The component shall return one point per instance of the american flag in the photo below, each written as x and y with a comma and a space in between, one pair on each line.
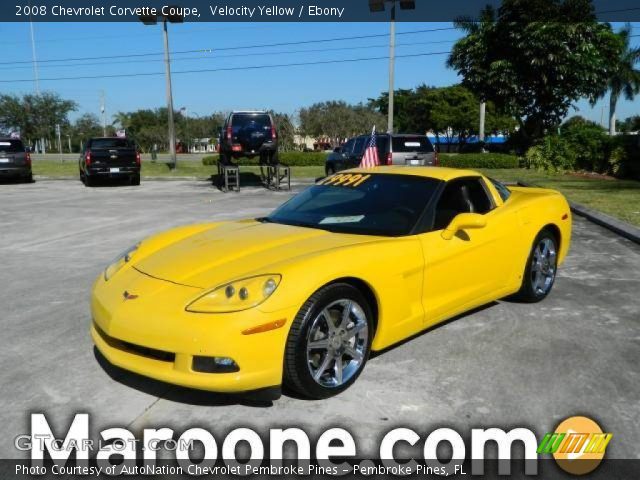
370, 158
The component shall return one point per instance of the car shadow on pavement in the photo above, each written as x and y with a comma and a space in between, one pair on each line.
432, 328
175, 393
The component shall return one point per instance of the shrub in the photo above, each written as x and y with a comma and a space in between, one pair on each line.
589, 143
479, 160
552, 154
293, 158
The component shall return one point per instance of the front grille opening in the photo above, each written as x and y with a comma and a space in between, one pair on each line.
137, 349
150, 352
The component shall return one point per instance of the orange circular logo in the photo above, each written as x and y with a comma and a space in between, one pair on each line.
581, 445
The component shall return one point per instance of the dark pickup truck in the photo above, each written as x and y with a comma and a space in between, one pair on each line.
109, 158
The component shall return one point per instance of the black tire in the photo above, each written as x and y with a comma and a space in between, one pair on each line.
28, 178
532, 291
135, 179
330, 169
297, 366
88, 181
82, 178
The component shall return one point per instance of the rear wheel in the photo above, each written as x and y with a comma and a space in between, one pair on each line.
135, 179
88, 181
540, 272
329, 342
330, 169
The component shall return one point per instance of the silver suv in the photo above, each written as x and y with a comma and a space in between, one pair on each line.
396, 149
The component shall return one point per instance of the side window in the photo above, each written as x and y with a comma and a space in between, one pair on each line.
382, 142
348, 147
465, 195
358, 149
503, 191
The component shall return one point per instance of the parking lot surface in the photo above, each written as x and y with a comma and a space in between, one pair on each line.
505, 365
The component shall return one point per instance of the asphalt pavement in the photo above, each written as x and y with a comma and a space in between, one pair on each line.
505, 365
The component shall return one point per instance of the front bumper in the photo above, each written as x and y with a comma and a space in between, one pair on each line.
154, 336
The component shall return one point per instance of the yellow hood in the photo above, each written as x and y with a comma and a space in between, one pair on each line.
228, 251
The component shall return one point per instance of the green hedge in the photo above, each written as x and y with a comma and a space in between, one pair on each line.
463, 160
294, 159
479, 160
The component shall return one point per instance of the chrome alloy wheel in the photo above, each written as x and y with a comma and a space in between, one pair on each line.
543, 266
337, 342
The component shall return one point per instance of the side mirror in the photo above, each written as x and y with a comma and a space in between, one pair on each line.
463, 221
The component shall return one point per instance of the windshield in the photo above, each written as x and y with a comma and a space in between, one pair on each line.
368, 204
411, 144
99, 143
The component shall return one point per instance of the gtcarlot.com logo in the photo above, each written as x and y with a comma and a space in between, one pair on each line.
578, 445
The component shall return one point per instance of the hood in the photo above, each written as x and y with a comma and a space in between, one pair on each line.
229, 251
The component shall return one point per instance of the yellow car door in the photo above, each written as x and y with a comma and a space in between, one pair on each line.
466, 252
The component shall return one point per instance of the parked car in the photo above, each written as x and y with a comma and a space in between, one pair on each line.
109, 158
15, 161
395, 149
248, 134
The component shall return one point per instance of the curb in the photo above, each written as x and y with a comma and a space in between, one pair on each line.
619, 227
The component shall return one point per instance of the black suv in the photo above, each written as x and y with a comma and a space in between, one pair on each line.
15, 161
396, 149
248, 134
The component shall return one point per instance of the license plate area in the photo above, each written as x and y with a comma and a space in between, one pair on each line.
114, 170
4, 160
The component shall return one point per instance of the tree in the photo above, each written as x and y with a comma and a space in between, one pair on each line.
448, 112
629, 124
338, 120
535, 58
624, 78
35, 116
86, 126
285, 130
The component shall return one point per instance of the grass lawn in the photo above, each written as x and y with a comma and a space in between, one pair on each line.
619, 198
52, 168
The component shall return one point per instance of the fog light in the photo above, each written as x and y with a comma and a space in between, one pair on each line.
214, 365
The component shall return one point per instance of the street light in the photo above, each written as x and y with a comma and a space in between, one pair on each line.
378, 6
153, 20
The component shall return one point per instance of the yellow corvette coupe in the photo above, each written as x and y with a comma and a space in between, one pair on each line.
355, 263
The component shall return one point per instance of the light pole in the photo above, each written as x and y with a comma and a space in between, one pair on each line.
184, 112
153, 20
378, 6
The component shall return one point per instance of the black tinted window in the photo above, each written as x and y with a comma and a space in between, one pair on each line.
348, 147
100, 143
503, 191
411, 144
371, 204
466, 195
11, 146
358, 149
250, 121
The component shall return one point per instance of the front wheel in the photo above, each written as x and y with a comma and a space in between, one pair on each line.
540, 272
329, 342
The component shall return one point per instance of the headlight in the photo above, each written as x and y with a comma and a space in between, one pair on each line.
119, 262
237, 295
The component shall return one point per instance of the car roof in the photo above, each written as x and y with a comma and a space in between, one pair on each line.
248, 111
438, 173
8, 139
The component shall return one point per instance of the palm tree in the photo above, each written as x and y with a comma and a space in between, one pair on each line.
625, 79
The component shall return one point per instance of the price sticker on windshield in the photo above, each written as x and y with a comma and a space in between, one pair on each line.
345, 180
